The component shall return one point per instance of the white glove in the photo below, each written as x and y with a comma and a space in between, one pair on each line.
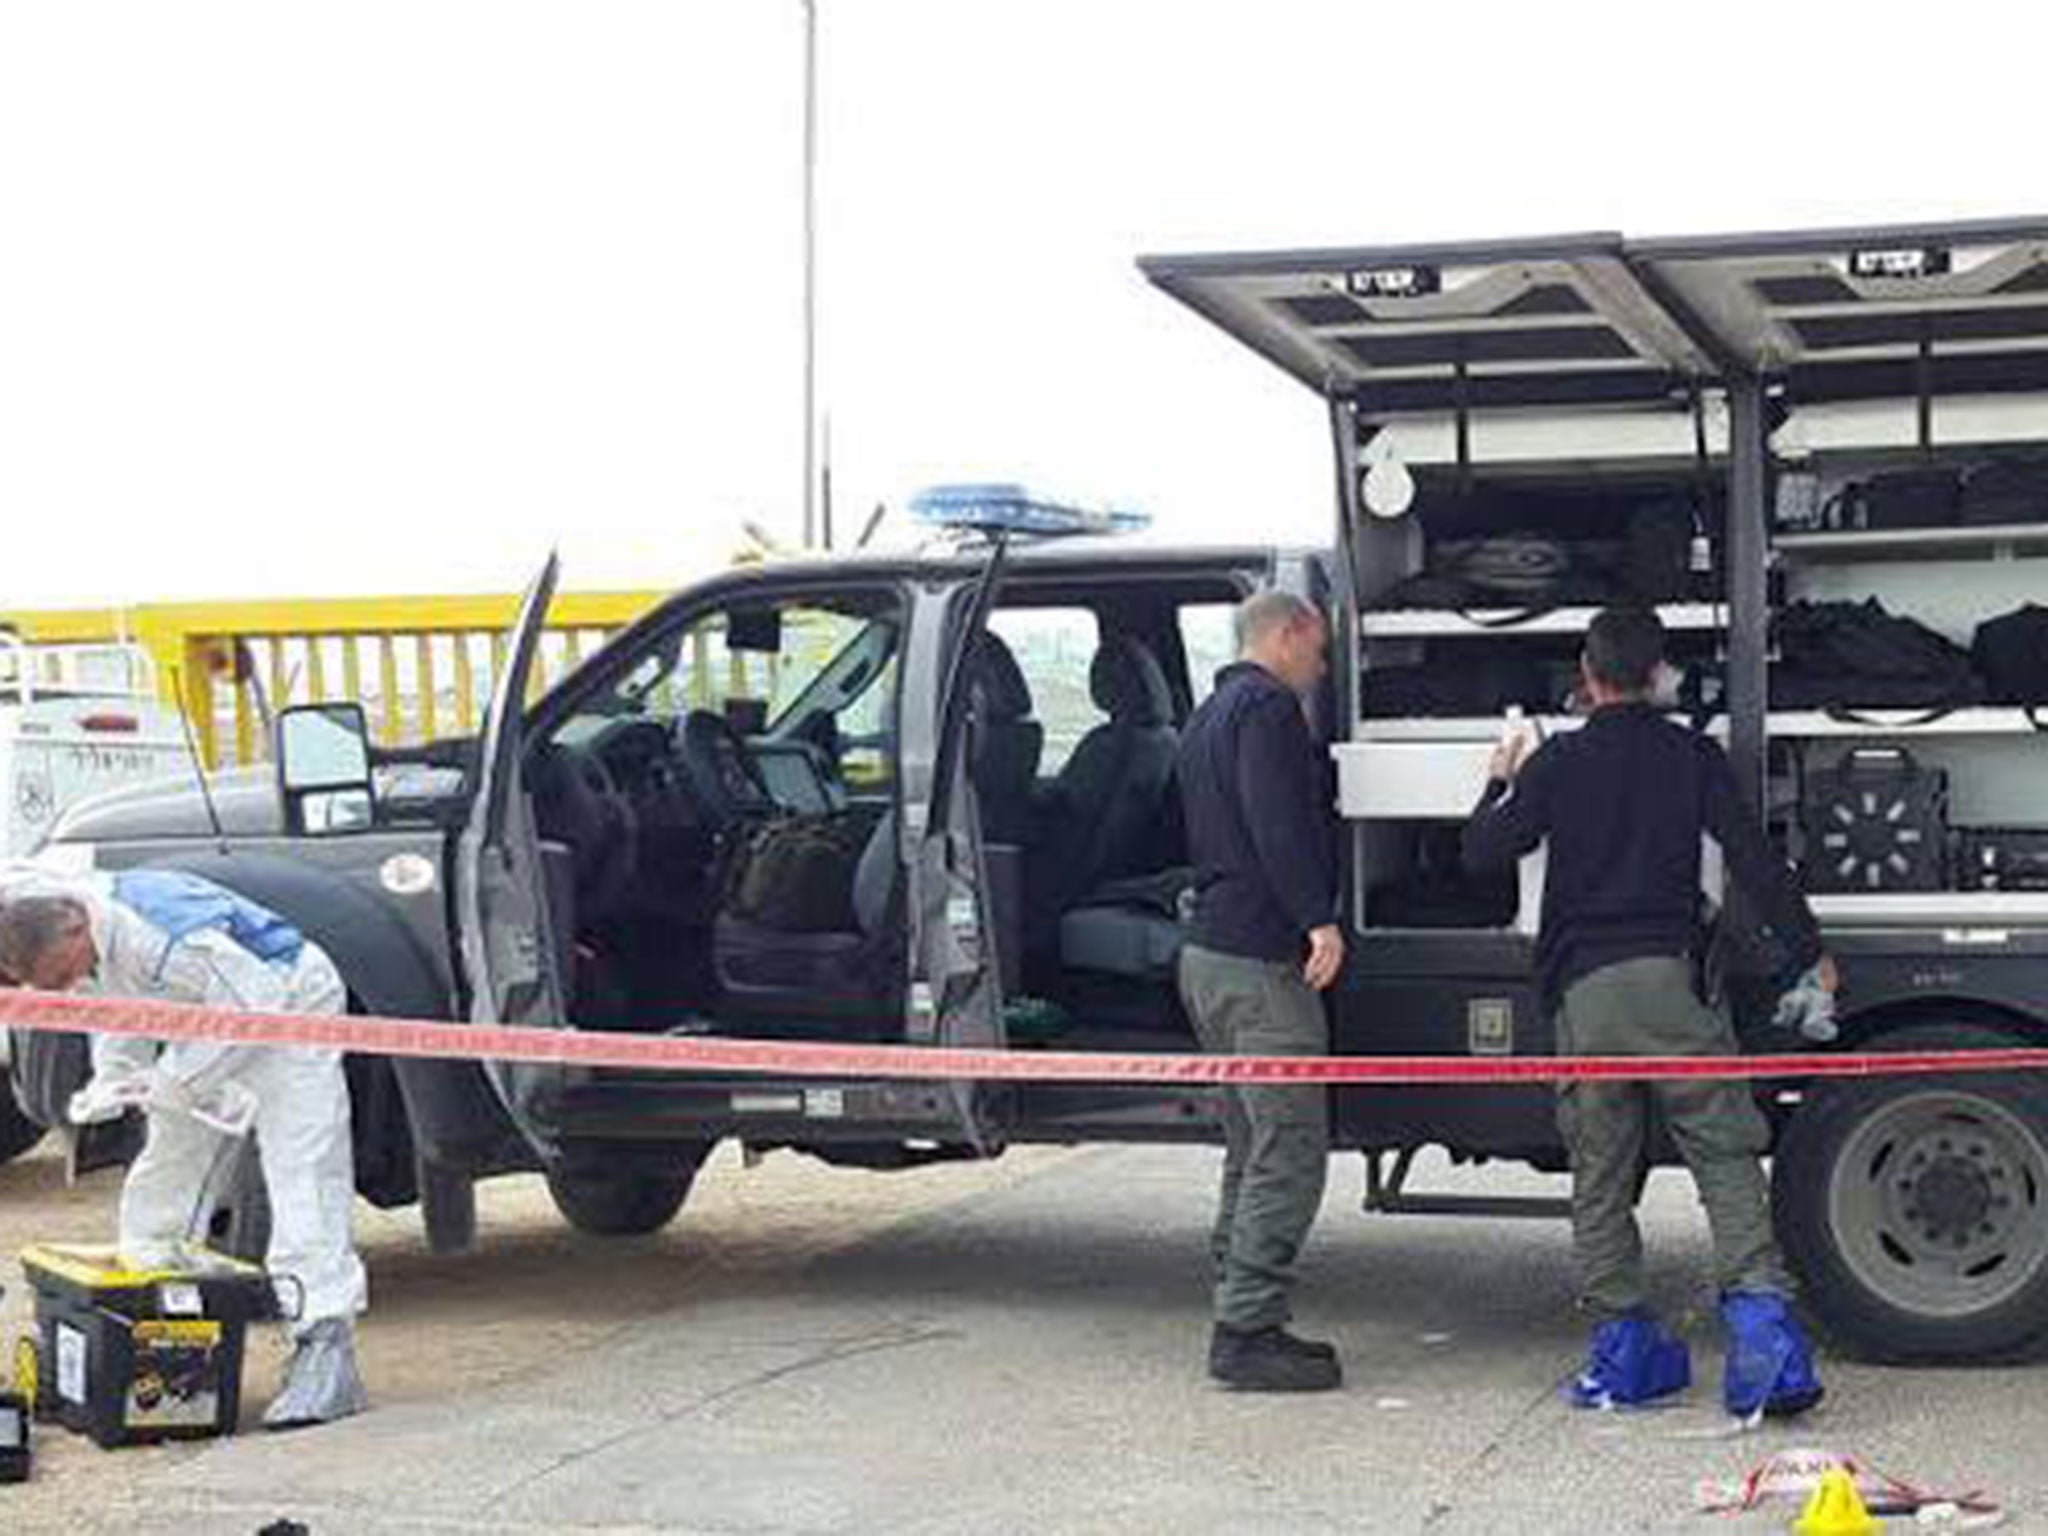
1809, 1008
108, 1097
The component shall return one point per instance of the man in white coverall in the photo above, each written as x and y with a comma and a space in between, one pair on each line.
163, 934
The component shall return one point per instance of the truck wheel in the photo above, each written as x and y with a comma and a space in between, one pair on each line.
626, 1201
1915, 1210
18, 1133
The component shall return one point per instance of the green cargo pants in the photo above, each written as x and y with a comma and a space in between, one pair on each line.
1277, 1139
1647, 1007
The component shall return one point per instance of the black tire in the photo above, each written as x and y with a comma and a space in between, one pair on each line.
618, 1201
1914, 1210
18, 1133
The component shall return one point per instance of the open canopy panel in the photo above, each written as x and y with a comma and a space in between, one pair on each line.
1597, 320
1859, 314
1424, 329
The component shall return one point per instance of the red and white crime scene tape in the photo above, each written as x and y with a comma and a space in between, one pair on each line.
371, 1035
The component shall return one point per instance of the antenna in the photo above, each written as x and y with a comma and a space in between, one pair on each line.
872, 525
220, 835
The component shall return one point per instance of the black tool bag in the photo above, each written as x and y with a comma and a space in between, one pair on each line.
1481, 679
1439, 892
1906, 498
2011, 653
2006, 491
1876, 823
1655, 562
2002, 859
1513, 571
1845, 656
797, 873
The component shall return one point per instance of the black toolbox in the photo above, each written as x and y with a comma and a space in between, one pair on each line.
137, 1356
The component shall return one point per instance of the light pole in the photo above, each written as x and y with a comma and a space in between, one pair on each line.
810, 273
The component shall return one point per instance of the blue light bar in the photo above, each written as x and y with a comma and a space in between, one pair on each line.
1004, 507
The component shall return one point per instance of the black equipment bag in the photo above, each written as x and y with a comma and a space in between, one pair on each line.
1876, 823
2011, 653
1512, 571
1439, 892
2002, 859
1655, 562
1468, 680
796, 873
2006, 491
1906, 498
1851, 655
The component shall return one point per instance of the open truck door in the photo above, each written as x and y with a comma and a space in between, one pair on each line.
504, 909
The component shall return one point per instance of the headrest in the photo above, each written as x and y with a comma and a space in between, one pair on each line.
1128, 685
997, 681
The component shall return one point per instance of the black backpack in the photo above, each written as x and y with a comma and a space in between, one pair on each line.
1655, 563
2012, 654
1849, 655
797, 873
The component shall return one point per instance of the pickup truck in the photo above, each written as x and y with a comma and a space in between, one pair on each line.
929, 798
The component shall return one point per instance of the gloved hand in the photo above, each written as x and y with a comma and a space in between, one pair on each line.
1809, 1008
107, 1097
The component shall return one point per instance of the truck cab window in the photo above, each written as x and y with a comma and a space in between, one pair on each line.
1054, 648
1208, 635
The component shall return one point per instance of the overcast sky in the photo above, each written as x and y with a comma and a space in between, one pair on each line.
391, 295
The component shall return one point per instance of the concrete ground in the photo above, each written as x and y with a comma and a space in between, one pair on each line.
1011, 1347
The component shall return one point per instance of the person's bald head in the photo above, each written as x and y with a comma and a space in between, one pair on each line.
1287, 635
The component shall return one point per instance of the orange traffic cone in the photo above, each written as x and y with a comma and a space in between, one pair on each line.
1836, 1509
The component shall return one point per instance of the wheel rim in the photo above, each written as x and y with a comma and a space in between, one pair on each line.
1937, 1203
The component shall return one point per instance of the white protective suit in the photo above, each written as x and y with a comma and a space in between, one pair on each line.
301, 1108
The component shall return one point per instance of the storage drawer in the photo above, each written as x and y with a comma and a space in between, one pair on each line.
1410, 780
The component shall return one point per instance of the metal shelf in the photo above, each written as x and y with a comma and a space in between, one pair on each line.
1961, 722
2015, 541
1484, 728
1910, 909
1430, 623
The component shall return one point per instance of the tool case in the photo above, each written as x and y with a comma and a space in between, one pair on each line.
131, 1356
1877, 821
2002, 859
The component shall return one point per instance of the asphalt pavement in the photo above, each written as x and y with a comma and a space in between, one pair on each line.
1019, 1348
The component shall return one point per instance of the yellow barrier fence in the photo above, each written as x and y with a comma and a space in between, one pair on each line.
421, 667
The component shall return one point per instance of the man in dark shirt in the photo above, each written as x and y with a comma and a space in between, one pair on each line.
1623, 803
1265, 945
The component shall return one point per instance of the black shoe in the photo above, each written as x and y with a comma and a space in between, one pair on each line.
1272, 1360
1315, 1349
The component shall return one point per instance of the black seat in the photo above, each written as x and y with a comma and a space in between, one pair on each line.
1007, 742
1103, 816
781, 978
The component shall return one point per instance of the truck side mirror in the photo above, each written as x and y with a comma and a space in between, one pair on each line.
323, 769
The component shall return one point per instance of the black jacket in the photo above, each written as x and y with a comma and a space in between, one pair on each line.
1623, 803
1260, 833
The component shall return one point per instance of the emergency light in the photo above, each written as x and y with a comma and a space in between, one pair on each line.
1394, 282
1006, 507
1906, 262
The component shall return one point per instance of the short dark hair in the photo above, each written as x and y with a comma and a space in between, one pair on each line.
30, 927
1624, 647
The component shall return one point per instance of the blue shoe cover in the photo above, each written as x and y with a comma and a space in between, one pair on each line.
1633, 1360
1770, 1362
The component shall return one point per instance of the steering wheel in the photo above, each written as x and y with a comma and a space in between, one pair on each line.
577, 799
720, 772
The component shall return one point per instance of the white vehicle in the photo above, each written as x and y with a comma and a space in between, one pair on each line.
75, 721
